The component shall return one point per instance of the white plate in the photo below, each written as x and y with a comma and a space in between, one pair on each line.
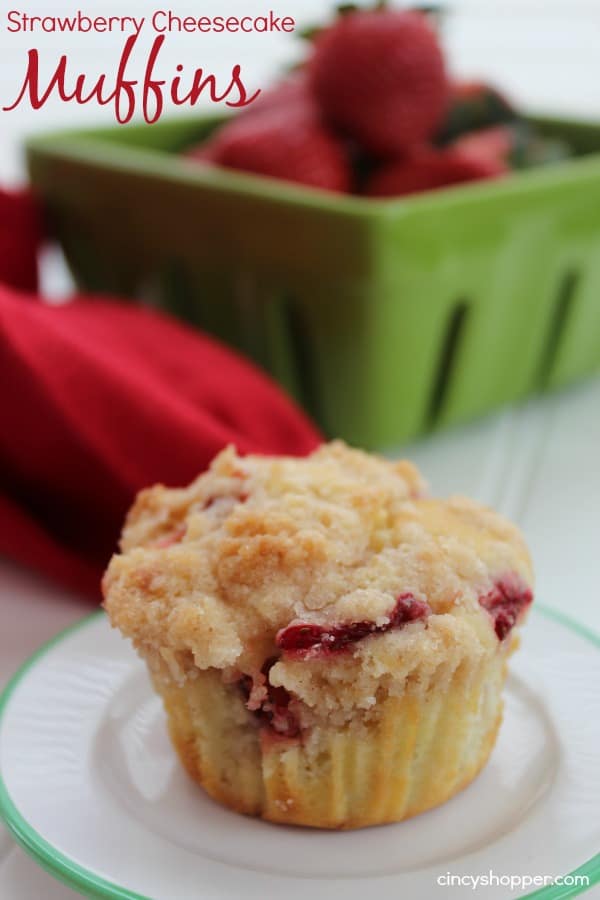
91, 788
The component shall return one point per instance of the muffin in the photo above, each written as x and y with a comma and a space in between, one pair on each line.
330, 643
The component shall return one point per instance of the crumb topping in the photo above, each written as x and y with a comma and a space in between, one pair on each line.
223, 573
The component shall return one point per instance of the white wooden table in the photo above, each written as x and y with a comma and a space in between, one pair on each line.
539, 464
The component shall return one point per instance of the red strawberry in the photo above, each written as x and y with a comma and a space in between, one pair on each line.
292, 93
496, 144
379, 76
430, 170
203, 153
287, 145
473, 105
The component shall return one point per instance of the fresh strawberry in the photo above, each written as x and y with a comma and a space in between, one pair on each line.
292, 93
473, 105
203, 153
379, 77
428, 170
496, 143
517, 145
287, 145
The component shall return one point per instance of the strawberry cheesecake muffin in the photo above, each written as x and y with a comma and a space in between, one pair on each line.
329, 642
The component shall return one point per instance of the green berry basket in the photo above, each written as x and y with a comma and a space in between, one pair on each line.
383, 318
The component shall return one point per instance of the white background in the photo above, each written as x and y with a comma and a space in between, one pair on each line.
538, 464
545, 53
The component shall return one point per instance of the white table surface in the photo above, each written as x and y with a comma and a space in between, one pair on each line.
538, 464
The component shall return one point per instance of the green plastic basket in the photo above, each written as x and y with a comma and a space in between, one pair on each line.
384, 318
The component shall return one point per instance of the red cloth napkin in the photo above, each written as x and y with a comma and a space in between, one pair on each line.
102, 399
20, 238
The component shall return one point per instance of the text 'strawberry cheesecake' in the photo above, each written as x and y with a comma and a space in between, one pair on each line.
330, 644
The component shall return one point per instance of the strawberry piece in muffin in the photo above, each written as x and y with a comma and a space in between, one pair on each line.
507, 602
303, 637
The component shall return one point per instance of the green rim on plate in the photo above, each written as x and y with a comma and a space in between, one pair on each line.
93, 885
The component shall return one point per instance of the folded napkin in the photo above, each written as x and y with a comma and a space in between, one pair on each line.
20, 238
102, 399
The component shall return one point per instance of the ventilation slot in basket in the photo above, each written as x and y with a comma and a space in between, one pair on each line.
447, 360
302, 358
562, 312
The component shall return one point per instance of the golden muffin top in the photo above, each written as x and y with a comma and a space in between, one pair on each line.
338, 565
